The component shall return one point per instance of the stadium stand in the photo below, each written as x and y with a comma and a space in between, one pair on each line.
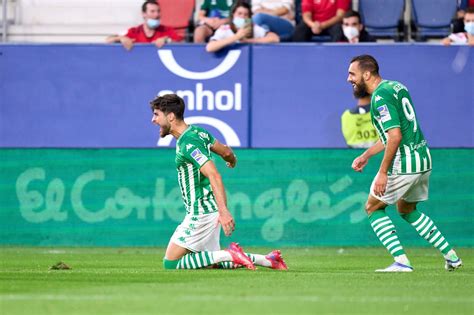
432, 18
382, 18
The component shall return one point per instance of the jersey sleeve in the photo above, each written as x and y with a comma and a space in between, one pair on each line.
386, 108
197, 150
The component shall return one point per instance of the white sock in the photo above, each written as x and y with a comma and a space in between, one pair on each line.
260, 260
221, 255
451, 255
402, 259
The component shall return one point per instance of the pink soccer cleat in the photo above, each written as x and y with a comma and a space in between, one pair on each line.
239, 257
277, 261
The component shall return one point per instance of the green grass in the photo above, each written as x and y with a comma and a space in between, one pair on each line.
320, 281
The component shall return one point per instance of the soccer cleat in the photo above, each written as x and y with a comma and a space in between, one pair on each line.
396, 267
452, 265
277, 261
239, 257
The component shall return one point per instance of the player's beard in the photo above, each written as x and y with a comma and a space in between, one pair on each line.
360, 89
164, 130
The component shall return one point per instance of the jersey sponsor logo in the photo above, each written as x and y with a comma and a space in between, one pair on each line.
384, 113
198, 156
378, 98
166, 56
189, 146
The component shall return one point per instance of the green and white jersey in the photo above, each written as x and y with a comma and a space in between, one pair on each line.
192, 152
391, 107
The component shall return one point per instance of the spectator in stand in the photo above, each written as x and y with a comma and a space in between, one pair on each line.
466, 37
458, 22
240, 30
278, 16
151, 31
212, 15
353, 30
321, 17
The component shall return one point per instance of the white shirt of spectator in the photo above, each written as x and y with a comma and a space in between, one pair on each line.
225, 31
458, 38
275, 4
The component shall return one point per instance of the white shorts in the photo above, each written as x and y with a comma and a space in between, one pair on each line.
198, 232
410, 187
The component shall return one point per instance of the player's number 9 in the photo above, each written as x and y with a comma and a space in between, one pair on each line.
409, 112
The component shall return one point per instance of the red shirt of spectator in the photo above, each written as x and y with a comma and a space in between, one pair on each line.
138, 34
323, 10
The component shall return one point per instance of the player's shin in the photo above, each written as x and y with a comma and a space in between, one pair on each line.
428, 230
386, 233
197, 260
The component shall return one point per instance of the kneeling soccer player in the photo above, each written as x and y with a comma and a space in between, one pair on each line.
195, 243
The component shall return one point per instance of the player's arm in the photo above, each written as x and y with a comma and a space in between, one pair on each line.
361, 161
225, 218
225, 153
394, 137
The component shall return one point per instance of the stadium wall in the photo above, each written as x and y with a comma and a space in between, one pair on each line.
249, 96
284, 197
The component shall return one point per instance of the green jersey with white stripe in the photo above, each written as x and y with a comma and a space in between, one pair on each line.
391, 107
192, 152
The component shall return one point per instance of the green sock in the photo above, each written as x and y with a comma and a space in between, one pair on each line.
426, 228
190, 261
385, 231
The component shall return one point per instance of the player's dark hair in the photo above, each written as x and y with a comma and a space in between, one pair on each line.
169, 103
352, 13
146, 3
469, 10
367, 63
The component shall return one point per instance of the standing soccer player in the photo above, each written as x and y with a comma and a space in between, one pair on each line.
404, 173
195, 243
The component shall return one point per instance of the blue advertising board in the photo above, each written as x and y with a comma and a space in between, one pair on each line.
258, 96
98, 95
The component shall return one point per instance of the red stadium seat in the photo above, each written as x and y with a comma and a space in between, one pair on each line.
177, 14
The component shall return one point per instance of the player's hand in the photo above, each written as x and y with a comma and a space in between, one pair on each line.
227, 221
126, 42
232, 162
359, 163
380, 184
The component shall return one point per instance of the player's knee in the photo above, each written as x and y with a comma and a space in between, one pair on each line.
170, 264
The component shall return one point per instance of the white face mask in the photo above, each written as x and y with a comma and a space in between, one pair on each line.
350, 32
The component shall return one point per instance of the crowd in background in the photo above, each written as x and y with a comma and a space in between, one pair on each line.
221, 23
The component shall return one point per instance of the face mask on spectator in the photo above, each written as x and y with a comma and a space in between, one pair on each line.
350, 32
153, 23
239, 22
469, 27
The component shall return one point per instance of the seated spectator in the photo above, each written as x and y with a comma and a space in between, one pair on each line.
151, 31
240, 30
458, 22
322, 17
353, 30
212, 15
356, 124
278, 16
466, 37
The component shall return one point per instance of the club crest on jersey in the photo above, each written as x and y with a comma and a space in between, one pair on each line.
384, 113
203, 135
198, 156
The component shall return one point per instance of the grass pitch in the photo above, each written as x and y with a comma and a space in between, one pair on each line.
320, 281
